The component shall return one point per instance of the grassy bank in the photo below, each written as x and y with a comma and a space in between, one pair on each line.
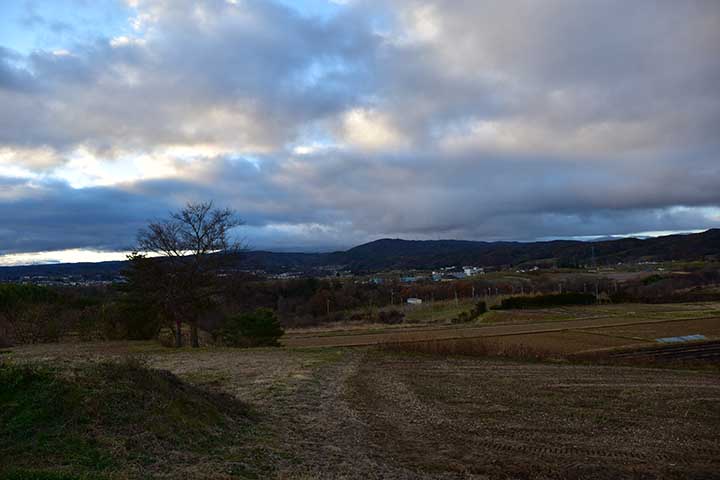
118, 420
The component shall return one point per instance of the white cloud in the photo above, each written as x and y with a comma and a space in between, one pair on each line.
124, 41
32, 158
370, 129
61, 256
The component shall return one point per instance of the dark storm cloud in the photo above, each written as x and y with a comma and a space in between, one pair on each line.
491, 120
53, 216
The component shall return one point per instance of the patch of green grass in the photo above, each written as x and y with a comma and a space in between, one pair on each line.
321, 356
41, 418
109, 417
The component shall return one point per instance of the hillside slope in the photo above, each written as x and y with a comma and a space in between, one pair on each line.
388, 254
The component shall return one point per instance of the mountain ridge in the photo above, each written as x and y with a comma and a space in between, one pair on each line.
398, 254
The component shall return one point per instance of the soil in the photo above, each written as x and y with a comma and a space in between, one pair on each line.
368, 414
587, 328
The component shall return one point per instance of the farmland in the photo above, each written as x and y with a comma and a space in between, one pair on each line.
515, 394
330, 413
565, 330
334, 412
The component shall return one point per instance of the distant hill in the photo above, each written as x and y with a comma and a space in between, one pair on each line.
402, 254
390, 254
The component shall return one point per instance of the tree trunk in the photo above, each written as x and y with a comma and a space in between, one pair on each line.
178, 333
194, 335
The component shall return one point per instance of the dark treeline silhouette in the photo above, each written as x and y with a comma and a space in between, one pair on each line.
30, 314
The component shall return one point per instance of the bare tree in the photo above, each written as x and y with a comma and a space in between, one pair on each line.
194, 245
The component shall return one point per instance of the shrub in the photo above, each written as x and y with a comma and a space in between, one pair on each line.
259, 328
464, 317
391, 317
116, 321
35, 324
337, 317
652, 279
553, 300
29, 314
357, 317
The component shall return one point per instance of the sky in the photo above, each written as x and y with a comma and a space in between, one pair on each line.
326, 124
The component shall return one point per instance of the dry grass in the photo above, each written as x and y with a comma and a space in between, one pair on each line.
366, 414
492, 419
709, 327
473, 347
576, 344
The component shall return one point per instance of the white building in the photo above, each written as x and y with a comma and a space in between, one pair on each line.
470, 271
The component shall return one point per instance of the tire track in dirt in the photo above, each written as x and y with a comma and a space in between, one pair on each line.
405, 404
326, 437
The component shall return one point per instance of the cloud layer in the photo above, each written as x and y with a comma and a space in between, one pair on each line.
412, 118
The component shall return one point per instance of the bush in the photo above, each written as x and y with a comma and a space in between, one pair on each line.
464, 317
259, 328
29, 314
480, 309
541, 301
391, 317
652, 279
35, 324
358, 317
91, 325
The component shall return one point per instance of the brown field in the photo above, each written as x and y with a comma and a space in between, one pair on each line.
539, 420
569, 336
364, 413
397, 412
709, 327
422, 318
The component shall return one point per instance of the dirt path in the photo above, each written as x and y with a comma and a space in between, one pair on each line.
308, 424
359, 339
